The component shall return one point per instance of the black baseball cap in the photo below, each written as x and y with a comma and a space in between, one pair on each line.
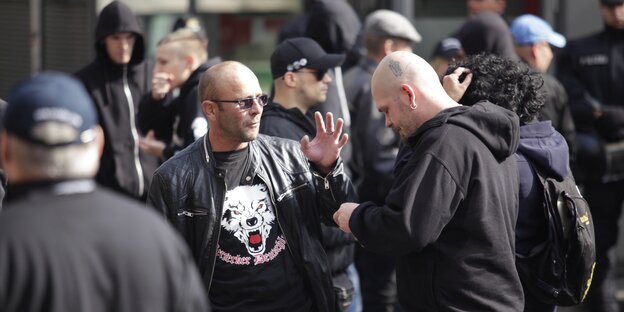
51, 98
296, 53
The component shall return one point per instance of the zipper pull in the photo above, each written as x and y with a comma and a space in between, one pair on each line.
326, 183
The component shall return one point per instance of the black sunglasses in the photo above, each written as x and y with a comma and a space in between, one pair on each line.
319, 73
247, 103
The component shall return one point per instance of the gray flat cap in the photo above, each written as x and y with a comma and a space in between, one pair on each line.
388, 23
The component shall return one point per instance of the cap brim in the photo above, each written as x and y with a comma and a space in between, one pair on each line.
327, 61
557, 40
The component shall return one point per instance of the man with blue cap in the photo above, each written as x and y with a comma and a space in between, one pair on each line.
65, 243
533, 37
592, 70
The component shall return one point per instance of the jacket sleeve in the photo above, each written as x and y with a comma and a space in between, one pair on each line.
422, 201
156, 195
332, 190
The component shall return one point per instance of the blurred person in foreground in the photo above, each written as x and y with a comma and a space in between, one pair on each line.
450, 215
117, 80
375, 146
65, 243
250, 205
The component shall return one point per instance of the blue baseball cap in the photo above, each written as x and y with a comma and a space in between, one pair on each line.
529, 29
51, 102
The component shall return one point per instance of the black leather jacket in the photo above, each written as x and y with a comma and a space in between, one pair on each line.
190, 191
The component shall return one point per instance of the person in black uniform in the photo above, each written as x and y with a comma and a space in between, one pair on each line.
592, 69
66, 244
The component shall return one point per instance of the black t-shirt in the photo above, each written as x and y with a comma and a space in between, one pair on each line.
254, 270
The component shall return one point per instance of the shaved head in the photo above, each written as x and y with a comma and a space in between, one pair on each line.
407, 90
403, 67
223, 76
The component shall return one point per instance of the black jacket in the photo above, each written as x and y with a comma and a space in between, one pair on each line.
123, 167
592, 69
177, 121
451, 213
69, 246
293, 124
557, 110
190, 191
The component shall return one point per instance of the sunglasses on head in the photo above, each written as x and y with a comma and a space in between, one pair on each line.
247, 103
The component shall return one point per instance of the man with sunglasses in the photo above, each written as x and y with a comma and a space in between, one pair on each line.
250, 205
170, 115
299, 67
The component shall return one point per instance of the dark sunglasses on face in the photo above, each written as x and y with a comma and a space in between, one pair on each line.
319, 73
247, 103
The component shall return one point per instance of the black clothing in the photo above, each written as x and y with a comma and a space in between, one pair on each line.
286, 123
591, 69
177, 121
70, 246
335, 26
451, 213
252, 263
546, 148
293, 124
116, 91
190, 192
557, 110
486, 32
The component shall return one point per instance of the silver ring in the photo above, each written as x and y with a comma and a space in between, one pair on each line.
329, 132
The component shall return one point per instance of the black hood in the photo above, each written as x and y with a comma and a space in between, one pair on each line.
117, 17
496, 127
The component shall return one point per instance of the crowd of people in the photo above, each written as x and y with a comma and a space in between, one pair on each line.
368, 179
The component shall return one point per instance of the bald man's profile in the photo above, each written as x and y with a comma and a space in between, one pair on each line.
450, 215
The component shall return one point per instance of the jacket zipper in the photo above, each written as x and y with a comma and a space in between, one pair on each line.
326, 183
290, 191
135, 134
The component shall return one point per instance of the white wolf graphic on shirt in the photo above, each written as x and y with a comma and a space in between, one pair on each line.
249, 216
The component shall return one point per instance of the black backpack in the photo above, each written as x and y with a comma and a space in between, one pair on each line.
559, 271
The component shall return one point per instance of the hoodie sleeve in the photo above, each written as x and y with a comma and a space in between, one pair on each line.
420, 204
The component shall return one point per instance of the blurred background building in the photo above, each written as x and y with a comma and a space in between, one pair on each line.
58, 34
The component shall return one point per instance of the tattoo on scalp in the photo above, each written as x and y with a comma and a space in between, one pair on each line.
395, 67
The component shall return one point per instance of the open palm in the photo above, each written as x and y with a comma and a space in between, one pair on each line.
325, 148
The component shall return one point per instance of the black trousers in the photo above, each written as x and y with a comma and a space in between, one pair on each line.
377, 281
605, 202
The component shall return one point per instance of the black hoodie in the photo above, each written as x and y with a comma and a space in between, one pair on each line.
451, 213
123, 167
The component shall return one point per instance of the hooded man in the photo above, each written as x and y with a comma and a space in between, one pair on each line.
116, 81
